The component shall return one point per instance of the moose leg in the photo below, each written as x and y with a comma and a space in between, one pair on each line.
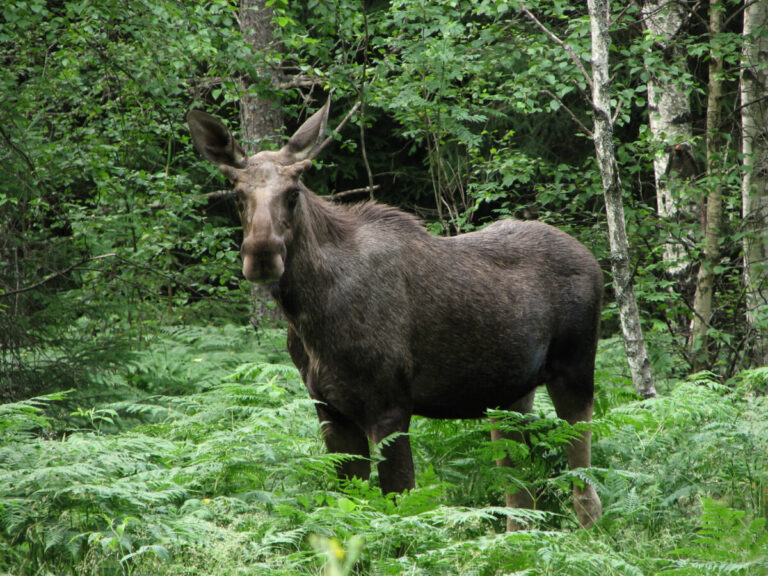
575, 405
396, 469
343, 436
522, 497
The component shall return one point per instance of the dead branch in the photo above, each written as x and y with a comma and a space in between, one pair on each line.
298, 81
56, 275
332, 135
353, 191
217, 194
570, 112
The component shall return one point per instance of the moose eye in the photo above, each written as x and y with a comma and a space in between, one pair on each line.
292, 197
239, 196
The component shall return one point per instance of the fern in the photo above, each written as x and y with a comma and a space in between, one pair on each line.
77, 494
25, 419
753, 382
217, 466
727, 542
261, 370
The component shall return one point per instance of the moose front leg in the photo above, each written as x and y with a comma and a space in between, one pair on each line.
396, 472
343, 436
340, 434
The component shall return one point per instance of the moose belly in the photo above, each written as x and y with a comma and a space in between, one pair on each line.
468, 400
456, 390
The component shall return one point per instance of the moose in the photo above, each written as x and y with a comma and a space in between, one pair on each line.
386, 320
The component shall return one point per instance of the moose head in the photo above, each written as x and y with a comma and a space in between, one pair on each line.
266, 185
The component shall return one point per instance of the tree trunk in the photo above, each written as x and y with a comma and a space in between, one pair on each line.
754, 192
670, 123
702, 301
639, 364
261, 118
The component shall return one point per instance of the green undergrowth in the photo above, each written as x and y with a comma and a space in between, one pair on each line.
202, 455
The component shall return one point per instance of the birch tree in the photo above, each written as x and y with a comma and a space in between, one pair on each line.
602, 135
702, 301
640, 366
637, 355
754, 122
669, 117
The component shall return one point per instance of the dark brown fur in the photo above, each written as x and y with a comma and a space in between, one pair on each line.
387, 321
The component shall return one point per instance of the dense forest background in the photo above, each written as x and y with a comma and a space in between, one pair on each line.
151, 423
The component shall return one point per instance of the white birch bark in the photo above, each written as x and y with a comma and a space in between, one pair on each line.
754, 123
670, 124
637, 355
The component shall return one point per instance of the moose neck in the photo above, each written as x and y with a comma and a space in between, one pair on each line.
319, 222
320, 230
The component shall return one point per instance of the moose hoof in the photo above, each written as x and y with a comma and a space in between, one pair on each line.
518, 500
515, 526
588, 507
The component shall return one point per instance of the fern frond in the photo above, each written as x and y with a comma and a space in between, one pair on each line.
22, 419
261, 371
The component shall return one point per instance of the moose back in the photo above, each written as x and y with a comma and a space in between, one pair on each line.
387, 320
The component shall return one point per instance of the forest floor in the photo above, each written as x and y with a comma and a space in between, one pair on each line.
202, 455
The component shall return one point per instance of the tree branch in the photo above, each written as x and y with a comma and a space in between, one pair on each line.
16, 149
56, 275
574, 57
363, 148
353, 191
578, 122
332, 135
298, 81
217, 194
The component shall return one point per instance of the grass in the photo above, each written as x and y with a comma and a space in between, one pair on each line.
202, 455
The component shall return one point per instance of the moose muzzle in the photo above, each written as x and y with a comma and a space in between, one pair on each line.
263, 259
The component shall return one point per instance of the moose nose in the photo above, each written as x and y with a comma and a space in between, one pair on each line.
263, 258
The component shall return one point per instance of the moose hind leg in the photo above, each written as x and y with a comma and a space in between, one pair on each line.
522, 497
343, 436
575, 405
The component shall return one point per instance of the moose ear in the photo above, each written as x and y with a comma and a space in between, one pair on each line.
214, 140
309, 135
